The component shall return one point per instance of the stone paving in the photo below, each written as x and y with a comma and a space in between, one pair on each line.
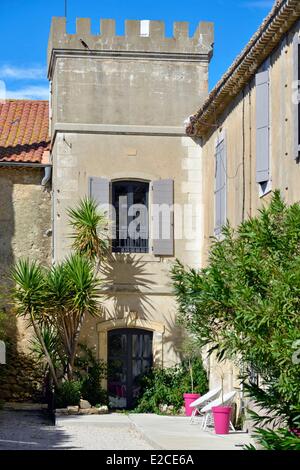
33, 430
115, 431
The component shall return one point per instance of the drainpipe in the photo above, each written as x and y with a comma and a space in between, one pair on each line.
47, 175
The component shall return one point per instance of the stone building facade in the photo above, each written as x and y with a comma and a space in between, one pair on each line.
249, 131
118, 106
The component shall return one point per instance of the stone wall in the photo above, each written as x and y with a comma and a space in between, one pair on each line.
25, 220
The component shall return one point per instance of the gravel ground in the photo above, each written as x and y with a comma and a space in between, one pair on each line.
33, 430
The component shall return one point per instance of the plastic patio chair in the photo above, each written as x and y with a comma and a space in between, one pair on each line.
203, 401
206, 411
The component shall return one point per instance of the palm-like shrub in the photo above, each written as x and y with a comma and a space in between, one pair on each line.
89, 230
30, 301
72, 290
57, 300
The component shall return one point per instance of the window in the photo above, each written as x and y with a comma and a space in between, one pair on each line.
220, 185
295, 98
263, 129
131, 231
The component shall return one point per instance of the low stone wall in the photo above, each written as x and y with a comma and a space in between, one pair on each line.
21, 379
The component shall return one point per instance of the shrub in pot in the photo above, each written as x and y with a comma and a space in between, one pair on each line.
192, 355
222, 413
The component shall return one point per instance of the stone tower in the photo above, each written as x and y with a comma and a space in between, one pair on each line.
118, 106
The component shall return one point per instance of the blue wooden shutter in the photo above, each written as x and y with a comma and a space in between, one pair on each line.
262, 127
99, 191
220, 186
163, 196
296, 78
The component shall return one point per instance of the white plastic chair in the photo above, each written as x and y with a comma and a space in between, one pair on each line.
206, 411
203, 401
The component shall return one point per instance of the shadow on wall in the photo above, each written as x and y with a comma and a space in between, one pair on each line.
127, 283
174, 338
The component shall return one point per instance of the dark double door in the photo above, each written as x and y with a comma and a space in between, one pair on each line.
129, 358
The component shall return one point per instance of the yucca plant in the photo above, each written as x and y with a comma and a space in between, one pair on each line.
30, 300
72, 290
57, 300
90, 230
52, 343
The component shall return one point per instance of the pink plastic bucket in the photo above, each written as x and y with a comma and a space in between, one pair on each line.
221, 419
188, 399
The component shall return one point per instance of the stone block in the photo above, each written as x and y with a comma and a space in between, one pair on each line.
84, 404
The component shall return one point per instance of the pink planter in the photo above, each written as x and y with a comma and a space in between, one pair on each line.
221, 419
188, 399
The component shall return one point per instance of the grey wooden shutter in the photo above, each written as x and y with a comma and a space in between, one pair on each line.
163, 217
220, 187
295, 100
262, 126
99, 191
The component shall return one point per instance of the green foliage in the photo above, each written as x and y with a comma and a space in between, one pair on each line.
57, 300
52, 343
68, 393
167, 386
246, 303
90, 229
29, 292
90, 372
281, 439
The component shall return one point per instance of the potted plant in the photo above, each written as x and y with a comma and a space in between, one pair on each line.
190, 352
221, 413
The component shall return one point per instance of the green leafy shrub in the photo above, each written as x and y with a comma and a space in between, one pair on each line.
167, 386
281, 439
68, 393
90, 372
246, 305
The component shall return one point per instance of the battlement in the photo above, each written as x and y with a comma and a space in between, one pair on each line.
140, 36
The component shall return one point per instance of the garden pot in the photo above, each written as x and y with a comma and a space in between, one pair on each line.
188, 399
221, 418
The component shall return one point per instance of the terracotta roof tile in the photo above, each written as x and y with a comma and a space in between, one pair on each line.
24, 131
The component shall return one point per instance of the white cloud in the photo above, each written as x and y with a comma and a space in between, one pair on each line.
22, 73
259, 4
29, 93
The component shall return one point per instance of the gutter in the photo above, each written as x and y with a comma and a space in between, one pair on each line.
25, 164
47, 168
280, 20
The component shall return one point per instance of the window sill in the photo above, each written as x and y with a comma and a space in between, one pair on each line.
132, 257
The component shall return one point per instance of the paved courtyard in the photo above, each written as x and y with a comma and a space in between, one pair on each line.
33, 430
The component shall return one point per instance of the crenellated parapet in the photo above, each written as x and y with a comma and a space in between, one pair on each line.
140, 37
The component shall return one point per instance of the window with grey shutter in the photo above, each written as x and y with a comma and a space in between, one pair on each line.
220, 187
163, 217
295, 100
262, 127
99, 191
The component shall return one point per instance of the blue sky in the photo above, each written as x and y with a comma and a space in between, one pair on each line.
24, 28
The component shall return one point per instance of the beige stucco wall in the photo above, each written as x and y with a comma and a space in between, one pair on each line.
133, 282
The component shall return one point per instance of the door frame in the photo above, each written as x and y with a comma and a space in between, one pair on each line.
128, 358
157, 328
